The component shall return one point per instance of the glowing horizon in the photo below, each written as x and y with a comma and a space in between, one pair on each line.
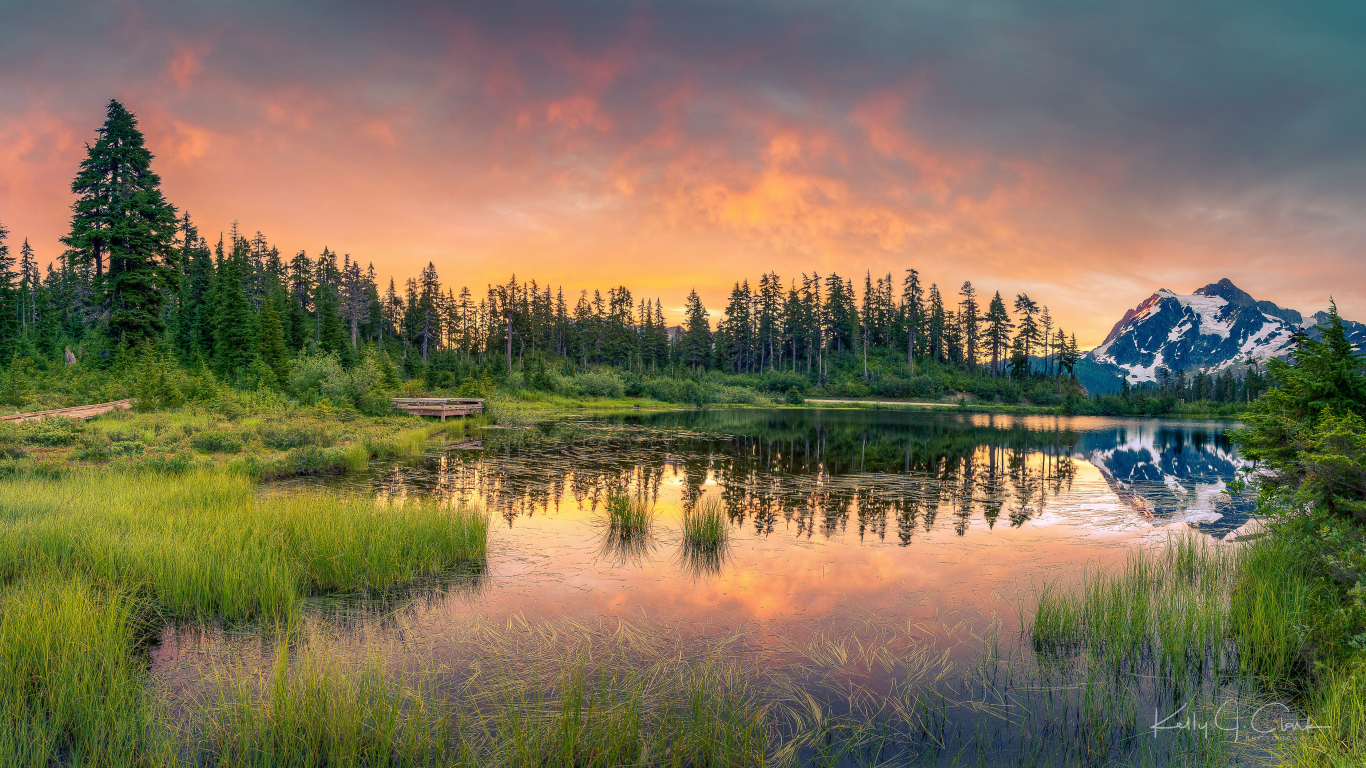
684, 146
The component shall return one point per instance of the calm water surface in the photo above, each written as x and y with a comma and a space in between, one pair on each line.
917, 528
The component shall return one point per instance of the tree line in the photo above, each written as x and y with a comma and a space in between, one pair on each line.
137, 272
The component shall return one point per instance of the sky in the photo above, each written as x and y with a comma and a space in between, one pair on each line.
1084, 153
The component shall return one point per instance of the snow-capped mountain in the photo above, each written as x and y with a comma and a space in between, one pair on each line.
1213, 329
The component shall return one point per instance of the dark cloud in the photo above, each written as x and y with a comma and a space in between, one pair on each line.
1230, 128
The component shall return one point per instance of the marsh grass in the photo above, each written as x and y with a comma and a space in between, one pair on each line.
629, 527
705, 523
1165, 607
70, 685
315, 709
202, 544
568, 705
706, 537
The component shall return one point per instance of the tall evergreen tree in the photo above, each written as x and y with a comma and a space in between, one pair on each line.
120, 215
29, 283
9, 301
912, 313
937, 324
270, 337
998, 331
234, 337
695, 346
1029, 328
970, 323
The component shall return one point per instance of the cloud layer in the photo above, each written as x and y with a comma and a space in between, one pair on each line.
1084, 155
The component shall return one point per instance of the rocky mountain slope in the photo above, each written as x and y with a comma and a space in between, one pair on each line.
1216, 328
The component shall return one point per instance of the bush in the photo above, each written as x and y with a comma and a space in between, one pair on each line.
311, 460
734, 395
310, 372
600, 385
9, 449
783, 381
50, 431
216, 441
793, 396
127, 448
282, 437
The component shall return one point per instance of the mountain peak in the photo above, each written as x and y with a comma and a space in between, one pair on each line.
1237, 297
1229, 292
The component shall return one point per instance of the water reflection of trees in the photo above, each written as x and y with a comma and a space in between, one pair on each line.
815, 476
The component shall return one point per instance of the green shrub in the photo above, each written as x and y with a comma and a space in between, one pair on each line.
734, 395
794, 396
127, 448
51, 431
216, 441
312, 460
600, 385
283, 437
176, 463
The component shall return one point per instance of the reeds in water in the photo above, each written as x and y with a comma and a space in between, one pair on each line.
629, 513
630, 527
705, 523
706, 537
1166, 606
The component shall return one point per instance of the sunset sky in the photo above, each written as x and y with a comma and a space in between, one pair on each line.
1086, 154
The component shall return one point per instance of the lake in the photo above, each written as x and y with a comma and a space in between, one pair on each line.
895, 553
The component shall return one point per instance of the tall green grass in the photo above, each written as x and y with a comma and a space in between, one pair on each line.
70, 687
314, 709
1269, 609
705, 523
706, 537
204, 544
1167, 605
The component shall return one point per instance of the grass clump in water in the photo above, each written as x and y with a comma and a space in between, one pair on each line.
706, 537
705, 523
1166, 606
628, 513
630, 527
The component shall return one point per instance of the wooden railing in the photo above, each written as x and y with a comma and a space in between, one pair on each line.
439, 406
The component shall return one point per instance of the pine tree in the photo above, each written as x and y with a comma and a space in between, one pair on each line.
120, 215
970, 323
9, 302
912, 313
233, 335
938, 323
1029, 328
270, 337
998, 331
194, 305
695, 347
29, 283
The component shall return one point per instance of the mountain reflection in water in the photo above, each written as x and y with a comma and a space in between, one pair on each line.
881, 474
